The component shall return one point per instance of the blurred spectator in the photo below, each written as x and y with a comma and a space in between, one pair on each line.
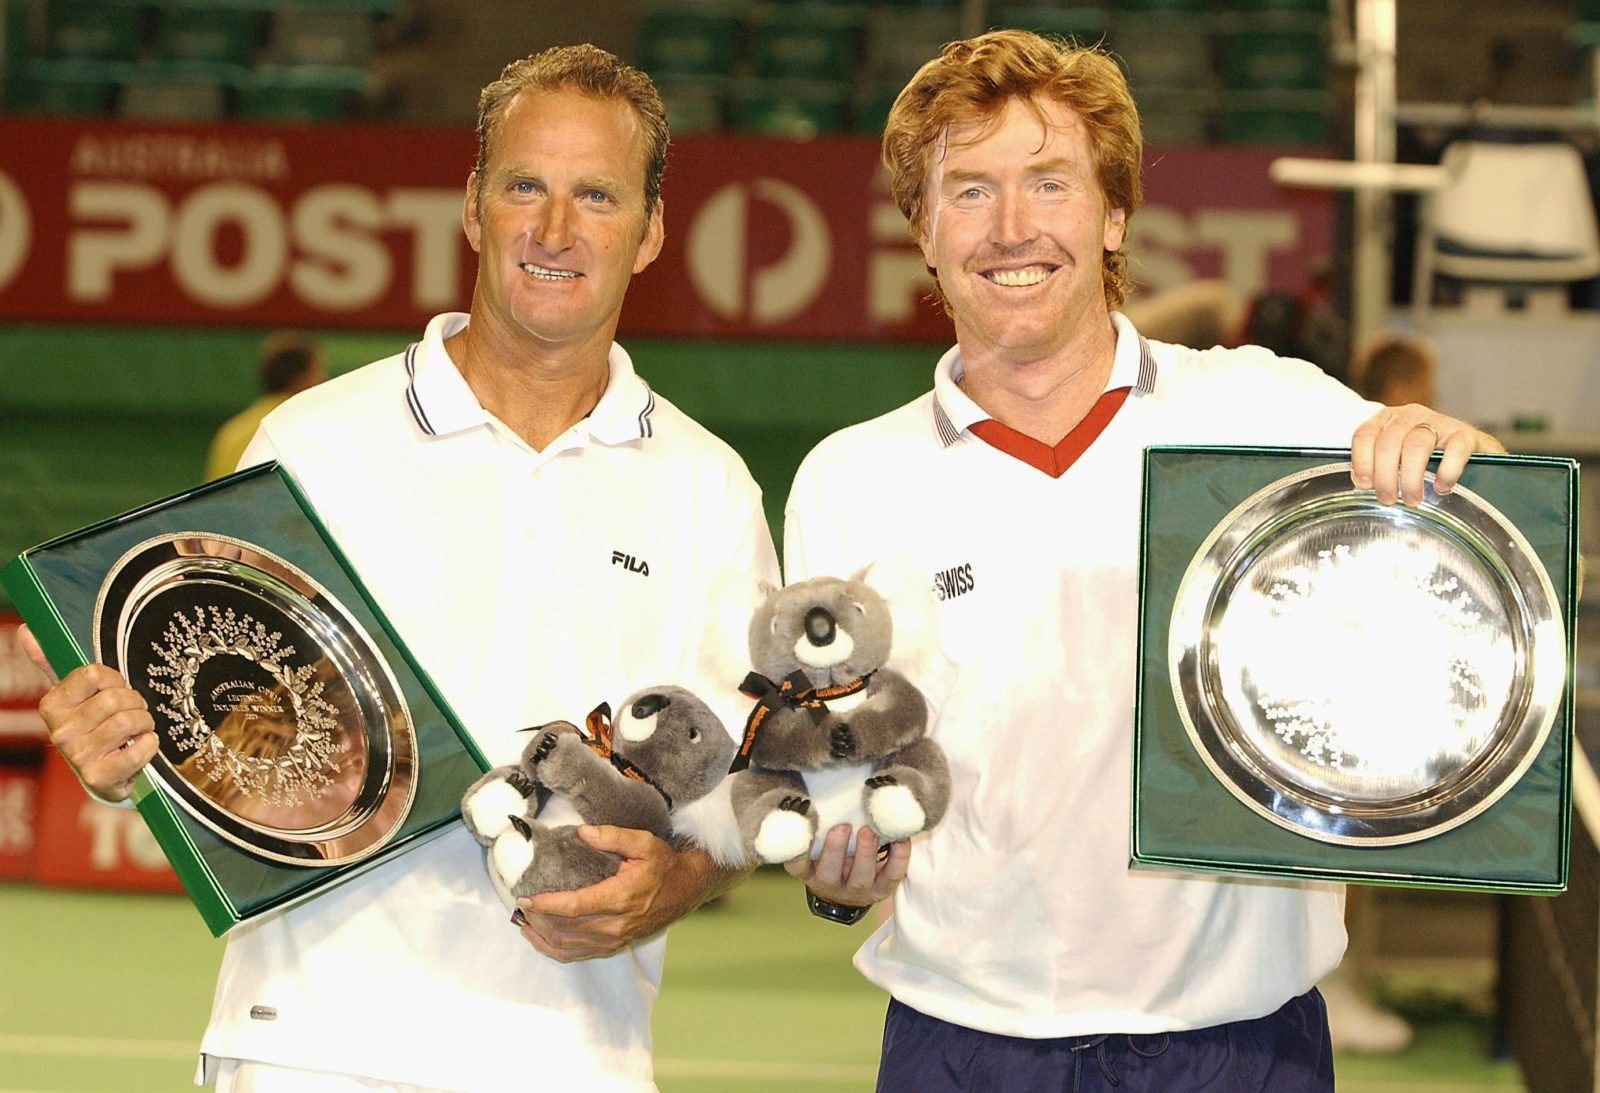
289, 362
1198, 314
1396, 370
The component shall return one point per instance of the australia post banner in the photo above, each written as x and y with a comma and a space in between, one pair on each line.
360, 226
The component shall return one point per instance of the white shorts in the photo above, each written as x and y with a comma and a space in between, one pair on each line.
246, 1076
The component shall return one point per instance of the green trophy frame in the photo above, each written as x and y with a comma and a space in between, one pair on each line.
1198, 803
300, 742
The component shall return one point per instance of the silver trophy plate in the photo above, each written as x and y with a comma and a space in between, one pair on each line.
281, 727
1366, 674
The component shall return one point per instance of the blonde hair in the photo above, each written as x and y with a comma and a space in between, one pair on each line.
971, 81
593, 71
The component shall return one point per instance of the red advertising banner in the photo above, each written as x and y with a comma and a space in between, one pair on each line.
22, 685
360, 226
18, 809
85, 844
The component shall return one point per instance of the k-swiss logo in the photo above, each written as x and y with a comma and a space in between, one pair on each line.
953, 582
630, 563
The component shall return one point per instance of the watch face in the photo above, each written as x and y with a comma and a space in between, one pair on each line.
1366, 674
281, 727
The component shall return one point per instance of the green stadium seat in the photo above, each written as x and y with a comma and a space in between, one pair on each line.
324, 36
899, 41
872, 101
1159, 6
202, 30
805, 43
17, 27
308, 93
179, 90
688, 43
790, 108
1164, 50
1304, 7
1171, 116
1283, 119
695, 104
103, 31
74, 86
1084, 25
1275, 54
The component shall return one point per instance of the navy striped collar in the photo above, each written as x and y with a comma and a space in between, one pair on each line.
1133, 365
441, 403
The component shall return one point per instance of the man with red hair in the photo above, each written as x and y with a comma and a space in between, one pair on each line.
1023, 953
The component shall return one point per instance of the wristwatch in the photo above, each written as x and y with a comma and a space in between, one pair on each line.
842, 913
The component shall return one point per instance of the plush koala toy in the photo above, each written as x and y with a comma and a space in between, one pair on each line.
835, 736
666, 751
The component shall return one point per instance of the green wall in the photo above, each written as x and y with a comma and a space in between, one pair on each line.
98, 420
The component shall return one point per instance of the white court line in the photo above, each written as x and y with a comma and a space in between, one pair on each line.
746, 1070
98, 1047
751, 1070
754, 1070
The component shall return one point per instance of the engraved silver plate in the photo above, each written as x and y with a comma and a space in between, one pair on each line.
281, 727
1366, 674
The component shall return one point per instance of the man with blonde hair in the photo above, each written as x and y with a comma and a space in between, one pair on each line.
1023, 953
483, 483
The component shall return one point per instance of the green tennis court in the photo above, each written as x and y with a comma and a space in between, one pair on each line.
108, 993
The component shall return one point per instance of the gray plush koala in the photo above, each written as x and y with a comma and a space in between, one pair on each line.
835, 737
666, 751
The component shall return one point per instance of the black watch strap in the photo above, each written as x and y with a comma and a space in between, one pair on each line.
842, 913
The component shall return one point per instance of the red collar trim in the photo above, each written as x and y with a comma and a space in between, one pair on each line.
1053, 461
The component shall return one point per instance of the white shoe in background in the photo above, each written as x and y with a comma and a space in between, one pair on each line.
1357, 1024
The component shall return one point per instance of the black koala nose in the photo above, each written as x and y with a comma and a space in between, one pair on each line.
819, 626
649, 706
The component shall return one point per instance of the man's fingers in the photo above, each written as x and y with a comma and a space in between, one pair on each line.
1361, 450
540, 931
101, 727
830, 867
1459, 446
864, 862
80, 685
625, 841
30, 646
1390, 453
1416, 452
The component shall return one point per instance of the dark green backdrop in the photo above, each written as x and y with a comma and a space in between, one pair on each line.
97, 420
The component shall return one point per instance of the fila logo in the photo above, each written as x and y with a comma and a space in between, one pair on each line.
950, 583
630, 563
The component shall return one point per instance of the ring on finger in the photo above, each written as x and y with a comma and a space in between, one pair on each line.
1431, 429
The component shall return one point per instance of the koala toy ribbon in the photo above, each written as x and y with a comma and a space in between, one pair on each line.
797, 693
597, 731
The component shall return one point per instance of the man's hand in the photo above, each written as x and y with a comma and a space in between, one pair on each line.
100, 725
859, 880
1390, 451
655, 886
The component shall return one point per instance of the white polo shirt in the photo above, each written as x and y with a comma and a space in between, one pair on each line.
1020, 914
531, 586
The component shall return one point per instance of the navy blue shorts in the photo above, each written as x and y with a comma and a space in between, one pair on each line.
1283, 1052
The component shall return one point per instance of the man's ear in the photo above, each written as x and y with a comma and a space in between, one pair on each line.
924, 235
655, 234
1116, 228
469, 212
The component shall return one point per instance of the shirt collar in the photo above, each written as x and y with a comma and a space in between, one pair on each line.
441, 402
1133, 365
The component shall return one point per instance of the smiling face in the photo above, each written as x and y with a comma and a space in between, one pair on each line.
559, 220
1015, 223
